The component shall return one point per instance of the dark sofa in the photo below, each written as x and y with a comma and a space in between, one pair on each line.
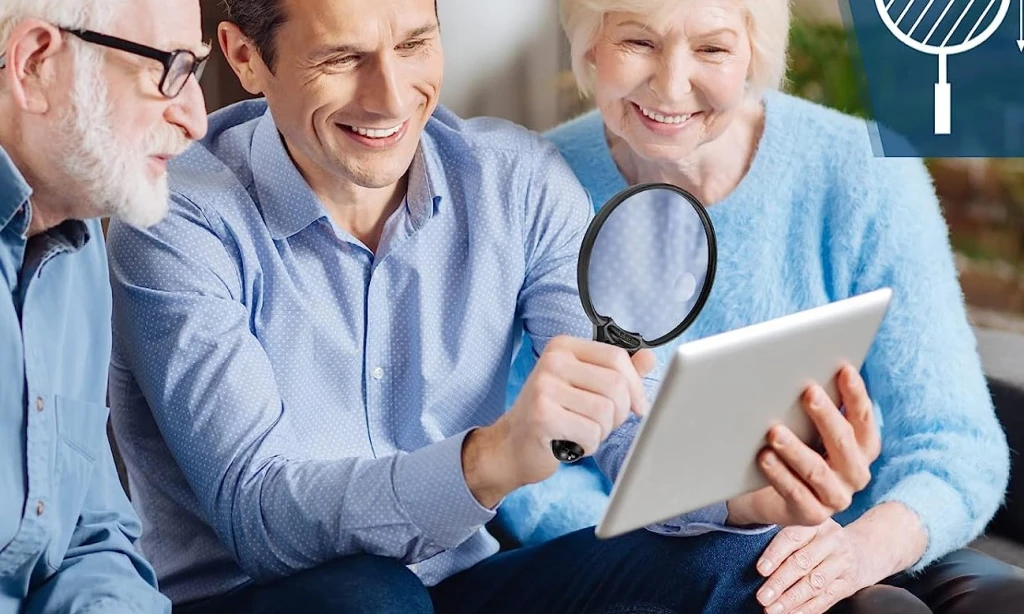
1003, 356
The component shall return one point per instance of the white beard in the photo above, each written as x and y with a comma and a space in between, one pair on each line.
111, 171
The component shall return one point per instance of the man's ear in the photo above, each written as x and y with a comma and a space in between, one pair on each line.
242, 56
31, 64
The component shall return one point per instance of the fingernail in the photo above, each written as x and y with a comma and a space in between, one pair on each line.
767, 460
766, 596
780, 439
818, 397
775, 608
765, 566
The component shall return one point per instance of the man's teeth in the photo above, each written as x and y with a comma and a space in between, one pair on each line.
664, 119
374, 133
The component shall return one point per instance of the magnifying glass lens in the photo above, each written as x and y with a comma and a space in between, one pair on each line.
645, 270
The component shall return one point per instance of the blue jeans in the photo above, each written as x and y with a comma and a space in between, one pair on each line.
353, 584
640, 573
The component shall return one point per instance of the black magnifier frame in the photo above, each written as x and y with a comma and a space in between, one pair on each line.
605, 328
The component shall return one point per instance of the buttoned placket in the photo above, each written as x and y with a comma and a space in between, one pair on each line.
375, 366
41, 434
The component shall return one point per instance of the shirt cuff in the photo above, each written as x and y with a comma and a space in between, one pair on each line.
705, 520
431, 488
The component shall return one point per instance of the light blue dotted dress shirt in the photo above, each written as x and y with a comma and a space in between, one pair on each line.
284, 396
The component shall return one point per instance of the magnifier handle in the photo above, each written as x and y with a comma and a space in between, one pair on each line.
570, 451
567, 451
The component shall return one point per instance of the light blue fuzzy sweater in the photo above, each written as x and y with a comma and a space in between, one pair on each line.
819, 218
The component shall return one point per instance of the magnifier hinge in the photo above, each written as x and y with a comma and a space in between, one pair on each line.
615, 335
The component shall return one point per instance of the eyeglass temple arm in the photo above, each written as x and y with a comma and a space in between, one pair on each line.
119, 43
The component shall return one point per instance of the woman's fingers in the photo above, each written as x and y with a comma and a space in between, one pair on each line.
800, 500
860, 412
838, 437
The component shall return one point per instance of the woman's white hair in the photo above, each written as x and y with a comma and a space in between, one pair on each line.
767, 27
85, 14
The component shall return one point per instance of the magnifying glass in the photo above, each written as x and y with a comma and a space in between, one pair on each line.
645, 271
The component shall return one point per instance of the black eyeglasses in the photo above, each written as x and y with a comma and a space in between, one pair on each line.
179, 65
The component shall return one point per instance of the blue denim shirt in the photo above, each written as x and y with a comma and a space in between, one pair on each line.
66, 527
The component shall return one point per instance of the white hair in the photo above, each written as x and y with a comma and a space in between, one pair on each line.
109, 172
767, 26
86, 14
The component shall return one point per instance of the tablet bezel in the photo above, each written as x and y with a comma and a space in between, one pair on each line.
651, 484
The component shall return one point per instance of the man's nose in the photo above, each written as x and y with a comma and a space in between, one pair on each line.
188, 111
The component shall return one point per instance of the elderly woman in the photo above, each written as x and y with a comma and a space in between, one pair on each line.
687, 93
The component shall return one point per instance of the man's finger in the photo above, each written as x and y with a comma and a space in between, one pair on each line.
788, 541
571, 426
602, 381
644, 361
608, 356
596, 407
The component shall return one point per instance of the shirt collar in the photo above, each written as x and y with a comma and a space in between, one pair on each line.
286, 200
14, 190
426, 184
290, 205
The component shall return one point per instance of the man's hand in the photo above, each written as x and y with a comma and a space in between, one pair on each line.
820, 566
580, 390
806, 487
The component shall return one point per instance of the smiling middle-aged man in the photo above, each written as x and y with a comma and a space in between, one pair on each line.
87, 123
311, 352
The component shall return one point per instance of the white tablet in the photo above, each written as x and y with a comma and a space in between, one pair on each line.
718, 399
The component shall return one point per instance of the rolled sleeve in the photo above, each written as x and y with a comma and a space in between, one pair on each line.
431, 487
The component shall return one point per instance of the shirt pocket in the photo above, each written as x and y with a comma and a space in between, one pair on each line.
81, 430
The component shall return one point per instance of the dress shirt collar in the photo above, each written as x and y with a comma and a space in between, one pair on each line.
289, 205
14, 190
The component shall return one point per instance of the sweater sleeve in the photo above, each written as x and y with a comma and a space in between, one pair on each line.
944, 454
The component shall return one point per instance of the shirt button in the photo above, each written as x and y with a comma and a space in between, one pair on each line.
40, 404
40, 508
377, 373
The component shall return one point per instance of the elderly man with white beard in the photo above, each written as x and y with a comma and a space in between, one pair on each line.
95, 97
